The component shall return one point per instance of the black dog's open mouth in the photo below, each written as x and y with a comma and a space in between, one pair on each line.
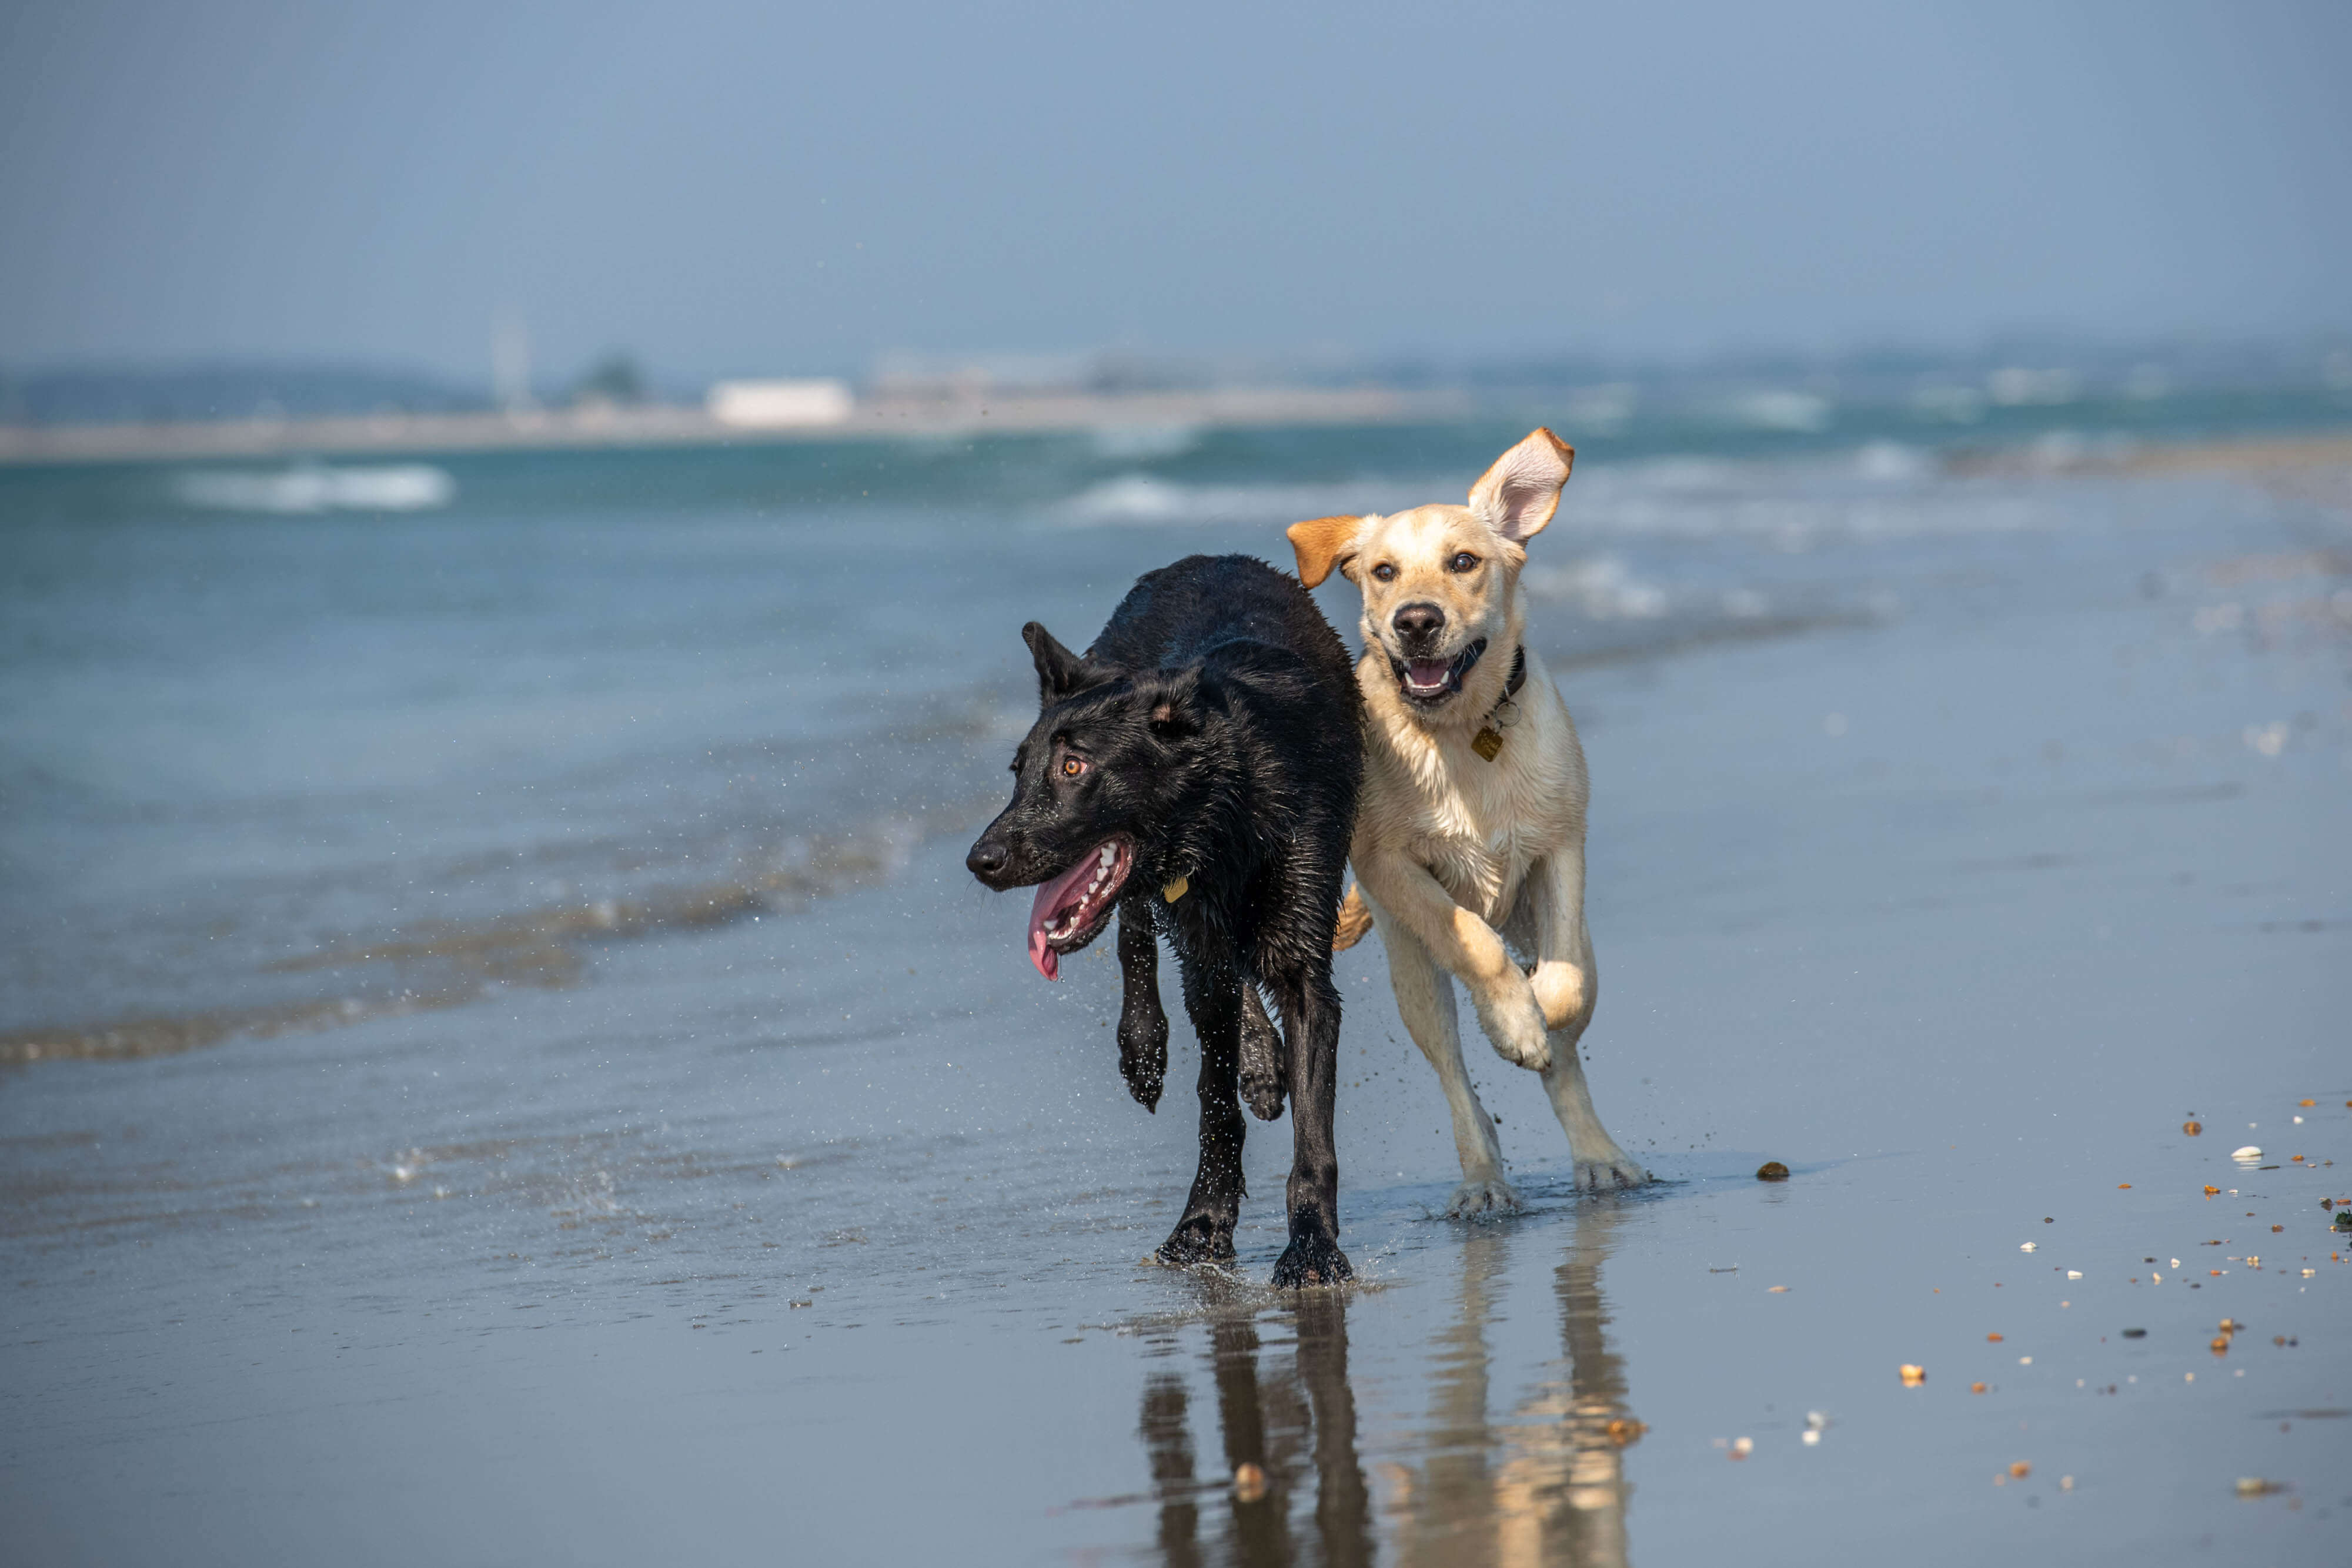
1072, 910
1432, 681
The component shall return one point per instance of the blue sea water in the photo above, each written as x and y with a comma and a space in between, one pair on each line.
484, 955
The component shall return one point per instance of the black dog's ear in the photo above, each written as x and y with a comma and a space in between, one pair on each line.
1179, 705
1060, 672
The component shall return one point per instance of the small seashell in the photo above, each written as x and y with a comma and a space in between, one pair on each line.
2028, 1246
1976, 1388
2251, 1151
2192, 1128
1993, 1339
1624, 1431
1771, 1170
2020, 1470
1742, 1447
1811, 1438
1249, 1482
2073, 1273
2255, 1486
1913, 1376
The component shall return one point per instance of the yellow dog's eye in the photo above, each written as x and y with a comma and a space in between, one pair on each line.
1072, 766
1384, 571
1463, 561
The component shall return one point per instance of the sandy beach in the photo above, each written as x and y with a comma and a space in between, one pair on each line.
504, 1062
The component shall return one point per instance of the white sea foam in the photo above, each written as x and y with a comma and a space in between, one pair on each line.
1603, 586
316, 488
1145, 499
1883, 489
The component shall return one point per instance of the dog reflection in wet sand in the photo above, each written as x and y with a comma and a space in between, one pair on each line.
1546, 1485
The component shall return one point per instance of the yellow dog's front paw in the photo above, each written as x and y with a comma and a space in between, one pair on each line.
1563, 991
1515, 1027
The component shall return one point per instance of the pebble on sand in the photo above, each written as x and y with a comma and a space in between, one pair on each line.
1771, 1170
2192, 1128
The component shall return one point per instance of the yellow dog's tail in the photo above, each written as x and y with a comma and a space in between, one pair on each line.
1355, 919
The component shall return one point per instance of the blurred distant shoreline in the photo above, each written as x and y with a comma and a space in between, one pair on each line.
831, 418
2048, 407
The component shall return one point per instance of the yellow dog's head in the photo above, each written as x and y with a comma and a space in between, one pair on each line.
1439, 581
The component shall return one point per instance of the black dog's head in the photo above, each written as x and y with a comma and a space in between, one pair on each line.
1101, 787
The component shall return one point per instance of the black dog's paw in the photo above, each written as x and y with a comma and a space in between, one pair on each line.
1264, 1078
1312, 1261
1199, 1239
1143, 1055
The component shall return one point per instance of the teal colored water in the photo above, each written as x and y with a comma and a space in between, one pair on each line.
504, 1062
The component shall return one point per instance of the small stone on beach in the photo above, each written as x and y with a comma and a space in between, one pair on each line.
1771, 1170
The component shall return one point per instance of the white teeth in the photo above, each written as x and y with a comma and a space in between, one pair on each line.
1109, 857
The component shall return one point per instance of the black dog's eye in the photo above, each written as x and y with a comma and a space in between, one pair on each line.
1463, 561
1384, 571
1073, 766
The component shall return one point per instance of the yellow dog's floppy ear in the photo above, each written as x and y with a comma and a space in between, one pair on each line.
1322, 543
1518, 495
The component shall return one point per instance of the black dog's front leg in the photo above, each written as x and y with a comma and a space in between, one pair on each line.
1310, 1017
1262, 1079
1213, 996
1142, 1025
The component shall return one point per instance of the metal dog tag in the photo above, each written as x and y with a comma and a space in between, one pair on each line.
1488, 743
1175, 890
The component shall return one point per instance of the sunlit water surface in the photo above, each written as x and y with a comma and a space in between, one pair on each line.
505, 1065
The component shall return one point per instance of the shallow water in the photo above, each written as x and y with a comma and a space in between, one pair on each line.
509, 1066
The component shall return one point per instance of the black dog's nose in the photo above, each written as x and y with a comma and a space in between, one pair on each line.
1418, 623
988, 859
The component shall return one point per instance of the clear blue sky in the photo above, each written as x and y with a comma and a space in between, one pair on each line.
764, 187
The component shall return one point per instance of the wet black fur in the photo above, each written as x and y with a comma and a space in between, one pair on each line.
1219, 717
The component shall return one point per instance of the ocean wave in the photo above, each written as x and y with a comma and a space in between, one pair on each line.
445, 964
315, 487
1143, 500
1603, 587
1882, 489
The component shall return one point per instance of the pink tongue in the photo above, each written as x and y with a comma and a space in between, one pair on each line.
1051, 899
1426, 672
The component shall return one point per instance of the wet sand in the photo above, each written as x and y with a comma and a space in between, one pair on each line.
813, 1234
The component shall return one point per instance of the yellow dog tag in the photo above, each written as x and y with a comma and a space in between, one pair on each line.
1175, 890
1488, 743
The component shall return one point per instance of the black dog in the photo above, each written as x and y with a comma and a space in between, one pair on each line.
1196, 769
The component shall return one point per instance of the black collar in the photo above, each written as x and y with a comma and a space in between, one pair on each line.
1510, 687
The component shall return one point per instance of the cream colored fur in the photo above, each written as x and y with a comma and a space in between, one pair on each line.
1461, 859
